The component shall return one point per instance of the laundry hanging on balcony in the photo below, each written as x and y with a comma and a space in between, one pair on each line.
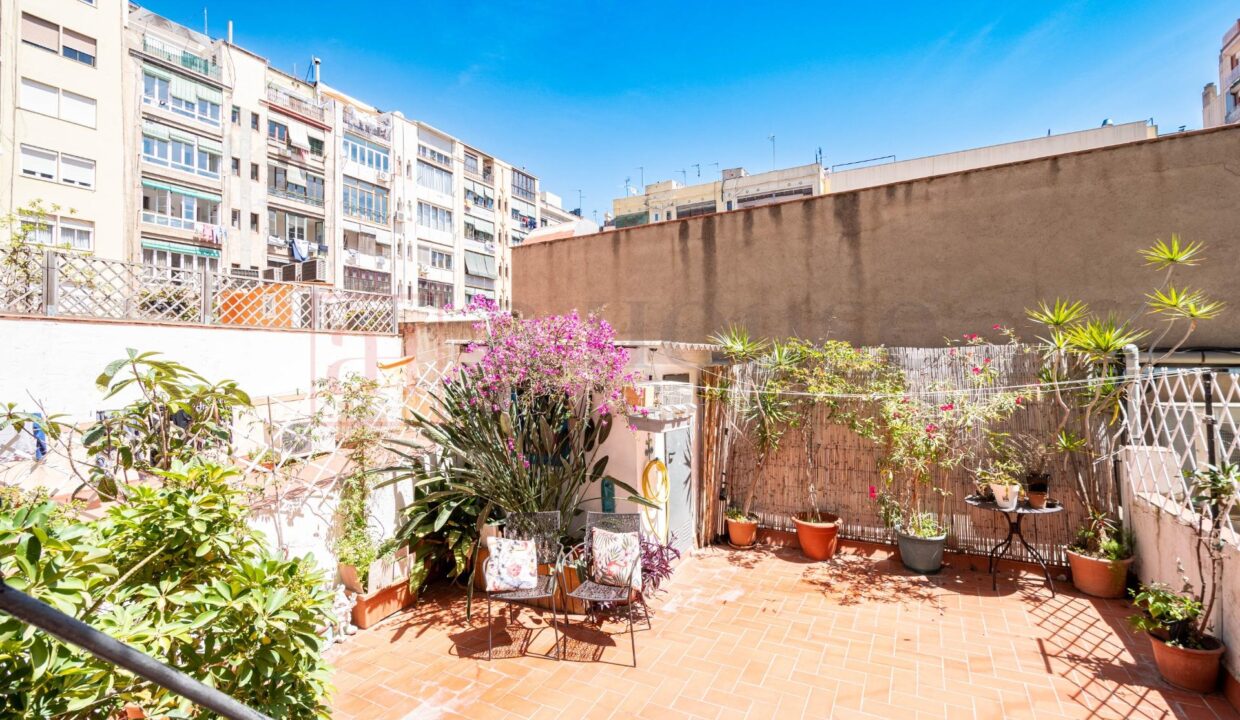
300, 249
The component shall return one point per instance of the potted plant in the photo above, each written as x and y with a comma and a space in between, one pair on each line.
1034, 456
817, 531
920, 537
1100, 557
1178, 624
742, 527
1186, 656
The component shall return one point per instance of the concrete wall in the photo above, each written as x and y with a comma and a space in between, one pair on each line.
915, 262
56, 361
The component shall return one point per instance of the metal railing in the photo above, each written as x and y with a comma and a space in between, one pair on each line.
183, 58
295, 196
302, 107
1179, 421
53, 283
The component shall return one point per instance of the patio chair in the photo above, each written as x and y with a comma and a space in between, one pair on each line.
544, 529
591, 592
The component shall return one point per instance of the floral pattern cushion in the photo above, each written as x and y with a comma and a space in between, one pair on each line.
513, 565
615, 555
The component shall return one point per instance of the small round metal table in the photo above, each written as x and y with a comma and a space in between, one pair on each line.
1014, 518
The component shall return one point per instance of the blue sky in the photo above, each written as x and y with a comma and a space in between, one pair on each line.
583, 94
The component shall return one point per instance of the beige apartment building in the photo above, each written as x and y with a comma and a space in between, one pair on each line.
64, 119
159, 144
1220, 104
737, 189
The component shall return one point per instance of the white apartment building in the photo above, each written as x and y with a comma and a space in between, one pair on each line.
1220, 104
551, 210
159, 144
63, 122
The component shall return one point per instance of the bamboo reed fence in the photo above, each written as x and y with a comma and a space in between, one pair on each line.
844, 467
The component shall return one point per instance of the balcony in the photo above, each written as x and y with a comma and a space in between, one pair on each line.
297, 105
374, 216
486, 176
1233, 115
295, 196
204, 233
180, 57
379, 128
365, 261
1233, 77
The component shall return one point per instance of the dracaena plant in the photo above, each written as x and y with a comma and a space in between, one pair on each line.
1083, 368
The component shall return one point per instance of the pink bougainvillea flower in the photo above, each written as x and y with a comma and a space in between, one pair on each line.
931, 429
1020, 399
996, 326
985, 361
977, 370
948, 406
873, 492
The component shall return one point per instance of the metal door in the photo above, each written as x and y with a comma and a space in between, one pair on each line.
679, 460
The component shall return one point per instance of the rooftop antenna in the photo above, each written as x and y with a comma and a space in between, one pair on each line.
628, 185
698, 168
580, 197
818, 156
204, 22
684, 176
772, 139
642, 170
715, 165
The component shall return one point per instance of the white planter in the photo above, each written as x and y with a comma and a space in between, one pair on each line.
1006, 496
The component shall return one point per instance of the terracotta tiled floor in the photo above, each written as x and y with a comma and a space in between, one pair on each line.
765, 634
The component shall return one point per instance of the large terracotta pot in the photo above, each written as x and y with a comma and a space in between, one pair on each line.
742, 533
1100, 578
1195, 670
818, 539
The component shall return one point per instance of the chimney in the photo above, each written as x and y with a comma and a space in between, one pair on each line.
316, 62
230, 36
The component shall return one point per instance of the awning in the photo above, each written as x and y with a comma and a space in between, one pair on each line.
477, 264
315, 134
491, 266
210, 146
479, 224
150, 129
295, 176
156, 185
209, 94
297, 136
182, 137
179, 248
156, 72
184, 89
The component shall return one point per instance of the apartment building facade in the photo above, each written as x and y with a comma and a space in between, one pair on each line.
151, 142
61, 67
1220, 104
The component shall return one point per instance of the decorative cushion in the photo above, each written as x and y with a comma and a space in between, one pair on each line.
615, 555
513, 565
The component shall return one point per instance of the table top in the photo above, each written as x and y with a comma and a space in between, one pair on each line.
1021, 509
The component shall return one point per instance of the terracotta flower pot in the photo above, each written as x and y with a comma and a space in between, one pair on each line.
1037, 500
1097, 577
818, 539
1195, 670
742, 533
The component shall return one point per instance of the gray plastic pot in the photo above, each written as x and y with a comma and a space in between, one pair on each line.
923, 555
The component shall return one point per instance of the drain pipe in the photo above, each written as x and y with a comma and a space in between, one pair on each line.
72, 631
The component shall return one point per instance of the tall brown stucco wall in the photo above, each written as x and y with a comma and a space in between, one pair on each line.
915, 262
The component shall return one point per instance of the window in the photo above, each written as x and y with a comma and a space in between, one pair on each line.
364, 152
77, 46
434, 178
40, 98
363, 200
162, 145
316, 146
479, 230
277, 131
236, 115
434, 155
254, 121
523, 185
438, 259
77, 171
40, 33
236, 167
177, 207
77, 234
254, 222
296, 184
182, 96
433, 217
471, 163
192, 259
236, 219
38, 163
77, 108
254, 171
434, 294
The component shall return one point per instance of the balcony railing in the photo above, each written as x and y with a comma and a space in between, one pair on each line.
380, 128
366, 213
302, 107
366, 261
295, 196
1233, 115
1233, 77
183, 58
204, 232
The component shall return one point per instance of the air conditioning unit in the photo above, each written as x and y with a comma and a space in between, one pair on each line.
400, 216
272, 273
291, 272
244, 273
383, 177
314, 270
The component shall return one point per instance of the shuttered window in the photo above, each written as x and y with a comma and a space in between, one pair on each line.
39, 97
40, 32
77, 46
77, 108
77, 171
38, 163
